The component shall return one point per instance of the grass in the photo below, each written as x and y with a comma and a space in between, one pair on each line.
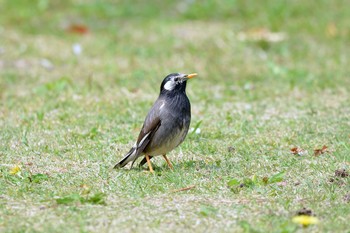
66, 119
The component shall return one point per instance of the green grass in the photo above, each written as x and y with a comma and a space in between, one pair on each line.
66, 124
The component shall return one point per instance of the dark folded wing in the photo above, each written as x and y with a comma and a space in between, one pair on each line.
146, 133
150, 126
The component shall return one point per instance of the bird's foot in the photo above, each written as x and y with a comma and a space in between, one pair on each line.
168, 162
149, 164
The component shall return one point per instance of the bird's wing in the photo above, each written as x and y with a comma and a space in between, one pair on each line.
147, 133
150, 126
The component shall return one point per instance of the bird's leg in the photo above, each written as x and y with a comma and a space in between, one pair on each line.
149, 164
168, 162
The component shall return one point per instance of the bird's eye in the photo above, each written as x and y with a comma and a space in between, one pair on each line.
176, 79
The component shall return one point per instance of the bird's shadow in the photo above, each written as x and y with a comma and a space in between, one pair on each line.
182, 165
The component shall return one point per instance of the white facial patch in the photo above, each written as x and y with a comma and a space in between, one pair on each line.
170, 85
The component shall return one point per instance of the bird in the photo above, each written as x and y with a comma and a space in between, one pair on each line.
166, 124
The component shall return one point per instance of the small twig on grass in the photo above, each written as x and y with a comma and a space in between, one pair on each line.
183, 189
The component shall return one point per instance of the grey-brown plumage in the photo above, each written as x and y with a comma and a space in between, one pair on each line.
166, 124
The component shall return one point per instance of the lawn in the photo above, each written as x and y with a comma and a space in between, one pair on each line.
270, 115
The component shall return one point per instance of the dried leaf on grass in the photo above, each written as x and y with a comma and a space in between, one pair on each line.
298, 151
318, 152
78, 29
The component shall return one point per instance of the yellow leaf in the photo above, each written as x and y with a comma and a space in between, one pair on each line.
14, 170
305, 220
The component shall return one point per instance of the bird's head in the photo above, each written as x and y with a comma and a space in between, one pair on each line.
175, 82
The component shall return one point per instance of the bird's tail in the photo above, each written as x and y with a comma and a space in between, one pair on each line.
130, 156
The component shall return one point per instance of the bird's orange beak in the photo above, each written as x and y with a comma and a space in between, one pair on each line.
191, 75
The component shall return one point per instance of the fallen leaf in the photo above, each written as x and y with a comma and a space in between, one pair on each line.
305, 220
298, 151
78, 29
318, 152
15, 169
